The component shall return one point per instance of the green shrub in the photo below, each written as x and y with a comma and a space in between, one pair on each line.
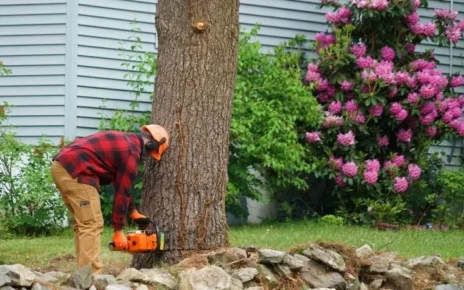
29, 202
271, 109
332, 220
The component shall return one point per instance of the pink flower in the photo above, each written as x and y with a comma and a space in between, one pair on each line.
453, 33
370, 177
342, 15
410, 47
322, 85
402, 77
313, 67
457, 112
431, 131
360, 118
429, 29
383, 141
398, 160
457, 81
350, 169
400, 184
404, 135
429, 118
376, 110
365, 62
421, 64
412, 18
331, 90
312, 76
427, 91
372, 165
335, 107
339, 181
358, 50
413, 98
416, 3
387, 53
335, 163
402, 114
427, 108
414, 171
351, 106
333, 121
395, 108
313, 137
379, 4
345, 139
346, 86
441, 13
447, 117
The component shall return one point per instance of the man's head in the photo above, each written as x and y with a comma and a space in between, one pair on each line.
156, 140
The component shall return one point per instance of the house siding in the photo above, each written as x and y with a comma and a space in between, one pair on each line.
57, 48
33, 45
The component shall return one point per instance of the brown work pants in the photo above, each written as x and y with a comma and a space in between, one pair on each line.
83, 202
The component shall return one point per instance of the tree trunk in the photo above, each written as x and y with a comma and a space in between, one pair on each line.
197, 59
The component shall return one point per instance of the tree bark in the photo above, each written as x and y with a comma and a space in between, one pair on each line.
197, 59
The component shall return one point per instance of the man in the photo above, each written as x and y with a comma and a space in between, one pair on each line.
102, 158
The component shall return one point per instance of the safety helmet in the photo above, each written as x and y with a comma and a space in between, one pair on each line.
160, 141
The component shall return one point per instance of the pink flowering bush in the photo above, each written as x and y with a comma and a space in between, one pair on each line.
384, 104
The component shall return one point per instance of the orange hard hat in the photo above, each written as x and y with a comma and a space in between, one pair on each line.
158, 133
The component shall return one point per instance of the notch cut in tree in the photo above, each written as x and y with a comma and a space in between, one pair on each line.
197, 61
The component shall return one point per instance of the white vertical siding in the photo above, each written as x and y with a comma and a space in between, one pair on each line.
102, 26
32, 44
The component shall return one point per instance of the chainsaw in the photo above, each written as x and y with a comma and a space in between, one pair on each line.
143, 240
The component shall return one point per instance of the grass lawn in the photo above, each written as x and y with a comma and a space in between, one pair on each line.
56, 252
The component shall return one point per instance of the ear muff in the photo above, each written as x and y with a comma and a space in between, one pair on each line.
154, 145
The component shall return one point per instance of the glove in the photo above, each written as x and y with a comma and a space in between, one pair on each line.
119, 241
135, 215
142, 221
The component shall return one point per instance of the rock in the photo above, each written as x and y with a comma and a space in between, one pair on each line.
236, 284
18, 275
93, 287
282, 270
448, 287
159, 277
400, 279
293, 263
133, 275
59, 275
118, 287
301, 258
4, 280
378, 264
255, 288
326, 256
64, 287
142, 287
267, 276
47, 278
460, 263
227, 256
7, 288
101, 281
208, 278
424, 262
245, 274
268, 256
81, 278
38, 286
364, 251
363, 287
317, 277
376, 284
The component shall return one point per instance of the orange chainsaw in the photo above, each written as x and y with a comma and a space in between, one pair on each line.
143, 240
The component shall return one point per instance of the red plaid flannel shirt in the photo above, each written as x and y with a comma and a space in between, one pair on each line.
103, 158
